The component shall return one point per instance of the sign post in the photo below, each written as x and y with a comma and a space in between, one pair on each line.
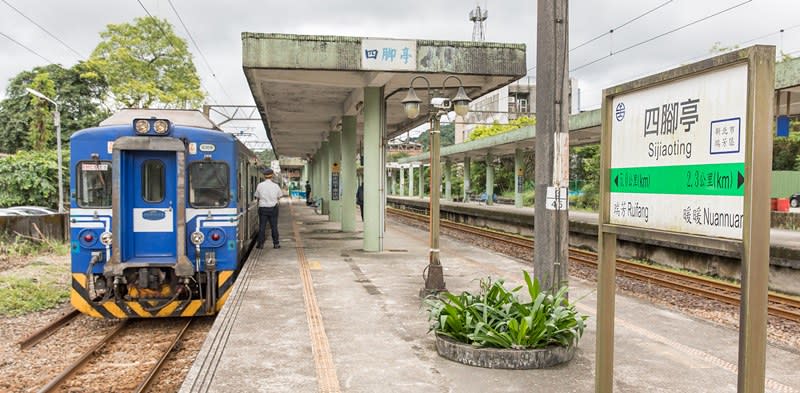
685, 151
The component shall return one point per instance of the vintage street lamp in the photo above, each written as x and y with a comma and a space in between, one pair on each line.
57, 121
439, 106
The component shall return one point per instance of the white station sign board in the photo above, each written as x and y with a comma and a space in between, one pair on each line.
677, 155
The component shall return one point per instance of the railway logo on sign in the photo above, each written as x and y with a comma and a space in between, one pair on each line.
619, 112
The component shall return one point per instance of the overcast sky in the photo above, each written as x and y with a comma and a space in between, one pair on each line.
216, 27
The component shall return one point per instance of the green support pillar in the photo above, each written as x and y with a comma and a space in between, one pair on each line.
467, 172
519, 177
374, 131
411, 180
448, 169
349, 184
315, 185
325, 172
335, 151
489, 179
421, 180
402, 181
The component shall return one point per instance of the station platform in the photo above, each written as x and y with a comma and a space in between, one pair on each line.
320, 315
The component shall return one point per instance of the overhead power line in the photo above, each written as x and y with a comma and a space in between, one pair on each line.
629, 21
27, 48
203, 56
661, 35
45, 30
622, 25
169, 40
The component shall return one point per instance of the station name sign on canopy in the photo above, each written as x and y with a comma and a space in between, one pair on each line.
383, 54
677, 155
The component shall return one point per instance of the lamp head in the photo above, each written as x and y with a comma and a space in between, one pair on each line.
461, 102
411, 104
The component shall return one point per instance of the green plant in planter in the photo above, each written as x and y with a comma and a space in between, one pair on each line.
496, 318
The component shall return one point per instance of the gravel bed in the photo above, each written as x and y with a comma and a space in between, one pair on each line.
124, 362
780, 332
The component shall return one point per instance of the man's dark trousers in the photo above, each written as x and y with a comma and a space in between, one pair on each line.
268, 214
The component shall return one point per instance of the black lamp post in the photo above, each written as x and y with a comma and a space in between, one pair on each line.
439, 106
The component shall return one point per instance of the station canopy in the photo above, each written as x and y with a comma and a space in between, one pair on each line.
303, 85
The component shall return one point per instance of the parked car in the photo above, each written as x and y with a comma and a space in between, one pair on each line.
31, 210
794, 200
7, 212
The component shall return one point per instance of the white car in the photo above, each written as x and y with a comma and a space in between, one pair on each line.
31, 210
7, 212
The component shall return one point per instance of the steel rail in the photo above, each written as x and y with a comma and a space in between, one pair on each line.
782, 306
48, 329
56, 382
150, 378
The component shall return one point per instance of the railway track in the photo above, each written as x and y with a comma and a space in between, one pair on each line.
47, 330
786, 307
92, 354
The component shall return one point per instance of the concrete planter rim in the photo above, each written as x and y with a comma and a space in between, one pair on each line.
499, 358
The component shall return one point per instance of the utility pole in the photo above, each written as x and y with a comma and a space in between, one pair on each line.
552, 144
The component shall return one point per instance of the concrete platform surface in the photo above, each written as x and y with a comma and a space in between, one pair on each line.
364, 330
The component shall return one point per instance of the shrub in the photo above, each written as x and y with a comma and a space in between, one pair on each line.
496, 318
31, 178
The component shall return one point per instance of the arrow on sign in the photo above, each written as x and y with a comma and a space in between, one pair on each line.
616, 180
741, 180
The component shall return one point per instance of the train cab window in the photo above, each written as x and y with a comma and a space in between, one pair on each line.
94, 184
153, 181
208, 184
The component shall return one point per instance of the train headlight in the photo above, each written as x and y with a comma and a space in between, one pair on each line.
106, 238
161, 127
142, 126
197, 238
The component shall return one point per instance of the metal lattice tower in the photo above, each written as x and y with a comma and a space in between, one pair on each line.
478, 16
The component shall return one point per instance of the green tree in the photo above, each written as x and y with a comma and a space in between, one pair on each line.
41, 128
447, 136
146, 65
266, 156
585, 172
79, 100
394, 157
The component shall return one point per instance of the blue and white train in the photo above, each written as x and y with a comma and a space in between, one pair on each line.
161, 216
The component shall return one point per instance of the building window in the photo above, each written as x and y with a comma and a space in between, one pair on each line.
523, 105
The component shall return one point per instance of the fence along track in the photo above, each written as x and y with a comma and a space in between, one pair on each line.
783, 306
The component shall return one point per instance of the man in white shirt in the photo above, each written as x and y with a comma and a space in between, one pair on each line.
268, 194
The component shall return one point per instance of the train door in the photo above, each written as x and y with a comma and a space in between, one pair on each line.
149, 193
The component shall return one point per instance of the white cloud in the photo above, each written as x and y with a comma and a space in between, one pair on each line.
217, 25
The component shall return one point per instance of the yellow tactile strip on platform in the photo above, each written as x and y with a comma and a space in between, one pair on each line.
327, 381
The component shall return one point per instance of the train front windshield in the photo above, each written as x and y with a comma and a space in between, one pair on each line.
94, 184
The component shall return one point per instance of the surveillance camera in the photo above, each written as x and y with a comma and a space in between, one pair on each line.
440, 102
